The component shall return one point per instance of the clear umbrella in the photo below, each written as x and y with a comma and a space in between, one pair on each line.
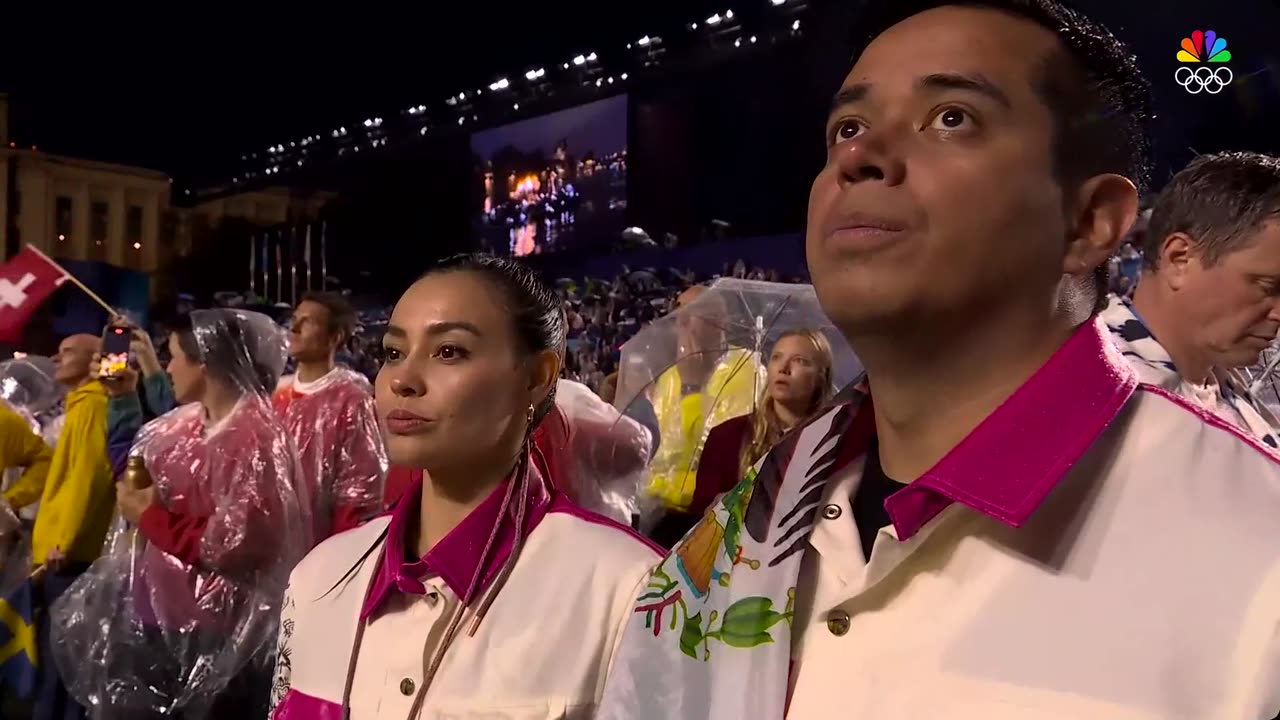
704, 364
27, 384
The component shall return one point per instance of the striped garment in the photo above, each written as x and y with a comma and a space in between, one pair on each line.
1230, 393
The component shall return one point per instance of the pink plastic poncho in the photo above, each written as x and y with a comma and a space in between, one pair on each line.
335, 428
593, 453
179, 606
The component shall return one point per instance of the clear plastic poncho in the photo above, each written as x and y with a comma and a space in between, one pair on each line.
595, 455
27, 386
344, 463
1264, 378
704, 364
177, 608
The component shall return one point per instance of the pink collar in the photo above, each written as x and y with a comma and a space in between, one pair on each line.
1008, 465
455, 558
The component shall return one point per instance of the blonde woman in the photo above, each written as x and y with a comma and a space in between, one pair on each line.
798, 385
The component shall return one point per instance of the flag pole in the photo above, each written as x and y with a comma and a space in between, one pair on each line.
266, 264
324, 257
253, 269
75, 281
293, 265
279, 267
306, 257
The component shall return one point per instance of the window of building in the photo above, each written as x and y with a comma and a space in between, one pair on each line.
99, 221
62, 218
99, 218
133, 224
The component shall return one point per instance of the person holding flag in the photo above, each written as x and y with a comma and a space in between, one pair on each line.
328, 411
76, 499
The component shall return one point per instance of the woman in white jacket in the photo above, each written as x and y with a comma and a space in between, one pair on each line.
486, 592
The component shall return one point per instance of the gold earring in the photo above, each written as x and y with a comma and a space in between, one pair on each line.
529, 417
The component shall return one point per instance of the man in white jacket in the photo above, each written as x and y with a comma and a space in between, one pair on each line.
1000, 522
1208, 302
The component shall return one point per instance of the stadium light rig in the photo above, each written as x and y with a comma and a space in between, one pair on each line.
717, 19
723, 27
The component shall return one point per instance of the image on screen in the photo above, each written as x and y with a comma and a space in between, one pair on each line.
553, 182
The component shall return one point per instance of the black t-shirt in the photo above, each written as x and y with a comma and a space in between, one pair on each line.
868, 502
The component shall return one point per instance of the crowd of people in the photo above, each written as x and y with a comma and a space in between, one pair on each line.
1050, 492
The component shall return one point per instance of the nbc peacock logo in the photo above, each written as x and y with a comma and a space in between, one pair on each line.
1209, 53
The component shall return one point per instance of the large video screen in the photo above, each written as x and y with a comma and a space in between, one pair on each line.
553, 182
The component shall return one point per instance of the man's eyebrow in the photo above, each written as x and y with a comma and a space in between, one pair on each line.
974, 83
850, 95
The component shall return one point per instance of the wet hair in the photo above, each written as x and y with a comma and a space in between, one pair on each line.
227, 355
1219, 201
1096, 94
342, 317
766, 427
537, 317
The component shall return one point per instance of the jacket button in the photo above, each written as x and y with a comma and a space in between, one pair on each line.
838, 623
406, 686
831, 512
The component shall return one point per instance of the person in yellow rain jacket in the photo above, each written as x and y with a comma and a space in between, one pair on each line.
77, 494
703, 389
77, 500
20, 448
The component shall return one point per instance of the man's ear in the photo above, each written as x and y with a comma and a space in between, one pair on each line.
1106, 207
1175, 258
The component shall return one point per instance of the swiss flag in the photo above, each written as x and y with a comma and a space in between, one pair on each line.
25, 282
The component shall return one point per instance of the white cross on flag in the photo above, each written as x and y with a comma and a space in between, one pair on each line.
25, 282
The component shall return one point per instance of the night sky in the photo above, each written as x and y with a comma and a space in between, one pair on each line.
599, 127
189, 94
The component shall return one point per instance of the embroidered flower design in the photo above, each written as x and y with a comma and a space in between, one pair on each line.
284, 651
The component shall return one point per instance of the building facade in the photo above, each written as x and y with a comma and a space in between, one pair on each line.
81, 210
84, 211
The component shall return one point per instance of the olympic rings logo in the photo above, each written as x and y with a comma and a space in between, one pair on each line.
1203, 79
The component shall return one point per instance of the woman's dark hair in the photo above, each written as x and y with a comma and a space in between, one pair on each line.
535, 310
228, 354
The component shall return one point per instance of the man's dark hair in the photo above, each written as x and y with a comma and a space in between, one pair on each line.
1218, 200
1098, 97
342, 317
